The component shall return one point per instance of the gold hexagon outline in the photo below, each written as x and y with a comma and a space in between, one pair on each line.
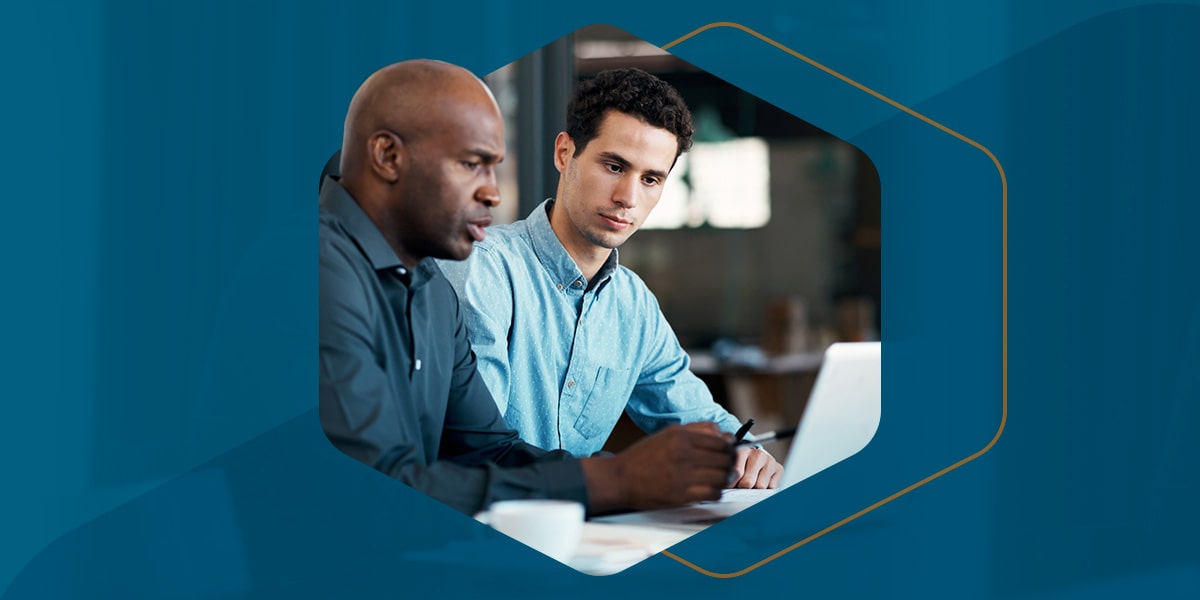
1004, 297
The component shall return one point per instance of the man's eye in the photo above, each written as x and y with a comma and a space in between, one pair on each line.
470, 164
650, 180
613, 167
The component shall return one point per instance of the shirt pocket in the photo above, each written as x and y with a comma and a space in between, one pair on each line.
605, 402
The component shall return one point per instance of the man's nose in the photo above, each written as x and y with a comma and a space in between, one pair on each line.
626, 192
489, 193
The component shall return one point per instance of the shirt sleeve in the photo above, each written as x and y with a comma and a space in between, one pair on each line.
363, 414
485, 293
667, 392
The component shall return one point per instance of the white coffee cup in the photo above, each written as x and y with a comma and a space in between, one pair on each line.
551, 527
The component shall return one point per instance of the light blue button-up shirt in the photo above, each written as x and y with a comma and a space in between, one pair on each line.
563, 359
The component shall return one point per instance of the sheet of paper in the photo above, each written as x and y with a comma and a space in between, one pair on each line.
694, 517
607, 548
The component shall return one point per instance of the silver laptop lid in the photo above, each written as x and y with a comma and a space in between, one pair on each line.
842, 413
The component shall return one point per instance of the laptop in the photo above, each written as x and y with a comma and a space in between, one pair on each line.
843, 411
840, 419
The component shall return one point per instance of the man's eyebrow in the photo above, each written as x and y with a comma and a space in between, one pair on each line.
486, 155
614, 157
620, 160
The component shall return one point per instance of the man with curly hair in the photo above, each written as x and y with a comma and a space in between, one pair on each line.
566, 337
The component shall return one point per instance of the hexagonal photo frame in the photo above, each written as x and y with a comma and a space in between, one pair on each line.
756, 182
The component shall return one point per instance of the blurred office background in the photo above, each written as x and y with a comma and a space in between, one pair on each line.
765, 247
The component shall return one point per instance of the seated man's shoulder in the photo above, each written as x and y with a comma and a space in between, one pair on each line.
629, 286
627, 277
336, 239
336, 248
497, 252
503, 238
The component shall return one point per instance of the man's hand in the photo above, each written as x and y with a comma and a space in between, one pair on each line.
756, 469
678, 465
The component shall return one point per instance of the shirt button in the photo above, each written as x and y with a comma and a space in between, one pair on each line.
401, 271
571, 383
578, 283
560, 286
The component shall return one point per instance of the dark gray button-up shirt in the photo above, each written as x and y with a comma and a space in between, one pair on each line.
399, 389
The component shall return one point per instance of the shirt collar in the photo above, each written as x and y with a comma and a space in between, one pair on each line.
338, 202
554, 257
605, 273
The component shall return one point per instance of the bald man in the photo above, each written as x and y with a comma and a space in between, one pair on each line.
399, 389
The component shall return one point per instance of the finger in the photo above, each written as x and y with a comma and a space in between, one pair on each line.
763, 468
757, 459
708, 476
705, 427
702, 490
726, 463
770, 469
688, 457
715, 443
694, 495
743, 459
766, 468
753, 459
732, 479
739, 469
699, 492
776, 478
749, 479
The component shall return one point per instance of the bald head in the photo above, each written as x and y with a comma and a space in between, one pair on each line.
421, 143
410, 99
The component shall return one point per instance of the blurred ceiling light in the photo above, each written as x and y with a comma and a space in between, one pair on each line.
589, 49
725, 184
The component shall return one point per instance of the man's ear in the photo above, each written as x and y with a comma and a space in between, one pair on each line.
564, 149
386, 155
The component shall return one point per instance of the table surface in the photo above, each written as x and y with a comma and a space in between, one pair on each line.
705, 363
614, 543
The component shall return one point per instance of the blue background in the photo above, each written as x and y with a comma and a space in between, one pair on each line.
158, 426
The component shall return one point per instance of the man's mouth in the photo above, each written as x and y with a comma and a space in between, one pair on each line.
475, 227
616, 222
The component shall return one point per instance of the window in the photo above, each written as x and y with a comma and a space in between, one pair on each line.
720, 184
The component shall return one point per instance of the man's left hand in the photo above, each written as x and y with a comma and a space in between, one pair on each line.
755, 468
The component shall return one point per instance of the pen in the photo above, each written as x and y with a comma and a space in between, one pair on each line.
742, 431
770, 436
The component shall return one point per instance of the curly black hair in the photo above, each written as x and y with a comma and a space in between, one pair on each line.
635, 93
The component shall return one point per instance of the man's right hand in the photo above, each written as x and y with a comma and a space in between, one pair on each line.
678, 465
